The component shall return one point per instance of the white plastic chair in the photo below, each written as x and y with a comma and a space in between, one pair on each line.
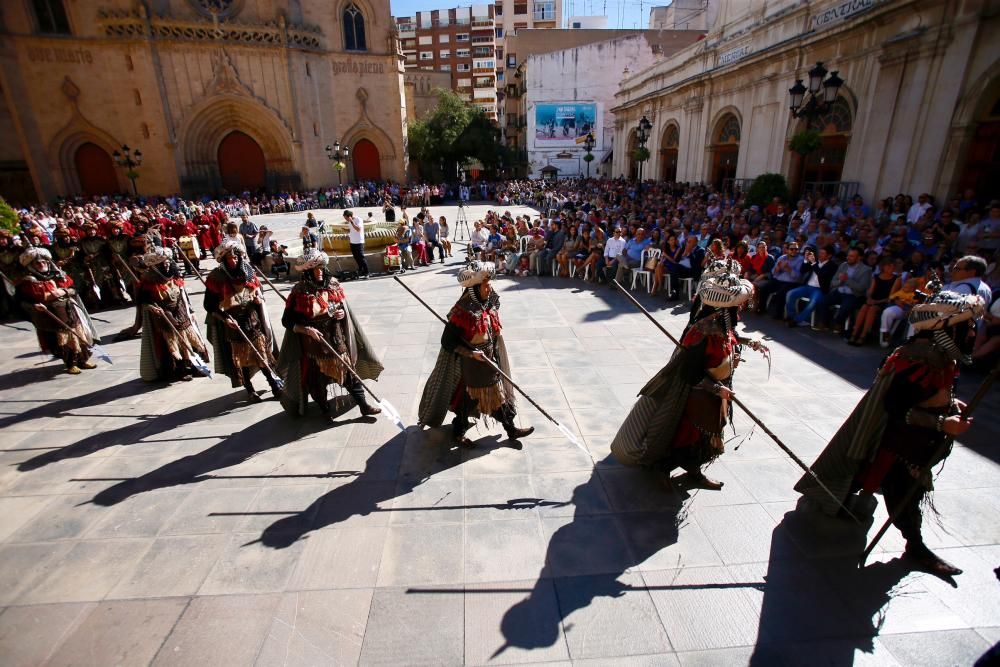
642, 272
688, 286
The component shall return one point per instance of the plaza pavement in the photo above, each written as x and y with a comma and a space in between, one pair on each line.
155, 524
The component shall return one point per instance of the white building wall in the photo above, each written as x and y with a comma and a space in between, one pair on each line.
589, 73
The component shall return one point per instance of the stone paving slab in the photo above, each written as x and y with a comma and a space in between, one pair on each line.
176, 524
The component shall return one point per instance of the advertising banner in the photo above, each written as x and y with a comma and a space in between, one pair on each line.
564, 124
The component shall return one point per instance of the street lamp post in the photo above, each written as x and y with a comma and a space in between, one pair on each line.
642, 134
822, 94
588, 143
130, 159
338, 156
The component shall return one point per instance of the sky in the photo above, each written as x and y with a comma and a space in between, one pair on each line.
620, 13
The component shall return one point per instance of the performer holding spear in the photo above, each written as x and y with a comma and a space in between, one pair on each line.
472, 373
238, 326
61, 320
324, 343
681, 412
905, 425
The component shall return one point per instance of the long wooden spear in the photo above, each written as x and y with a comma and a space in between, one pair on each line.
941, 452
749, 413
562, 429
388, 409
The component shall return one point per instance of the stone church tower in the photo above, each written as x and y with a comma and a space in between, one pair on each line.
219, 95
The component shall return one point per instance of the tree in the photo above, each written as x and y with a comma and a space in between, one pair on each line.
805, 142
765, 188
455, 134
9, 219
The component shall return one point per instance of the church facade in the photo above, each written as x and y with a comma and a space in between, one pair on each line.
219, 95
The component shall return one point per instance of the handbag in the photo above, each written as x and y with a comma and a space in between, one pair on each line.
651, 264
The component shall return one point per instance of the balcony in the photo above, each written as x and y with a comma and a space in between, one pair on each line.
482, 23
484, 40
485, 83
482, 70
485, 94
483, 52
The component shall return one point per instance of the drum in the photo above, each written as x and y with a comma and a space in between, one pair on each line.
189, 246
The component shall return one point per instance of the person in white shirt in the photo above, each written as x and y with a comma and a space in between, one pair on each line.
613, 248
478, 238
356, 236
917, 210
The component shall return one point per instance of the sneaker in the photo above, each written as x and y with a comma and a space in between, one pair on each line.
883, 340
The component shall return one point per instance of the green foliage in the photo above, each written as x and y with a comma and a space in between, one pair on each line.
640, 154
9, 219
766, 187
805, 142
589, 157
453, 134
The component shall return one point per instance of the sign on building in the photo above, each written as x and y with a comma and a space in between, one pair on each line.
560, 124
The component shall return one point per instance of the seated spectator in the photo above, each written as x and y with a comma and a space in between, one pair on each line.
967, 277
477, 240
404, 236
901, 299
688, 266
613, 249
847, 290
276, 256
309, 239
594, 260
987, 345
817, 273
670, 257
787, 274
553, 244
876, 299
571, 245
631, 258
758, 269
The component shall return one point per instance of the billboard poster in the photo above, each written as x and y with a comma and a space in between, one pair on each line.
564, 124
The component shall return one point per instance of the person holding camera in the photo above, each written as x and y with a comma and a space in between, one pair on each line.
818, 273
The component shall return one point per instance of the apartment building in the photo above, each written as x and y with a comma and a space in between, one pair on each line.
469, 43
461, 41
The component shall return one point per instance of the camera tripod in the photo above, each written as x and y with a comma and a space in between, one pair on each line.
462, 222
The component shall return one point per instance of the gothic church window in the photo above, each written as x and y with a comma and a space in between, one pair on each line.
354, 29
50, 16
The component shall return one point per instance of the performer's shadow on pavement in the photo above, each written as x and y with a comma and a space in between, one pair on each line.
584, 561
60, 407
393, 470
819, 607
275, 431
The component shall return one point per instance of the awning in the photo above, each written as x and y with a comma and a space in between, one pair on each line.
607, 158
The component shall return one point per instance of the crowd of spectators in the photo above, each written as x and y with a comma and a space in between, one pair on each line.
853, 268
850, 268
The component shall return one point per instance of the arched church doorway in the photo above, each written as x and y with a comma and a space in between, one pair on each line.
241, 163
366, 162
95, 170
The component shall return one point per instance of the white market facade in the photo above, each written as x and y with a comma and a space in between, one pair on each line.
918, 111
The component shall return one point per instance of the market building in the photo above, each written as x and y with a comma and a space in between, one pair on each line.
917, 108
219, 95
